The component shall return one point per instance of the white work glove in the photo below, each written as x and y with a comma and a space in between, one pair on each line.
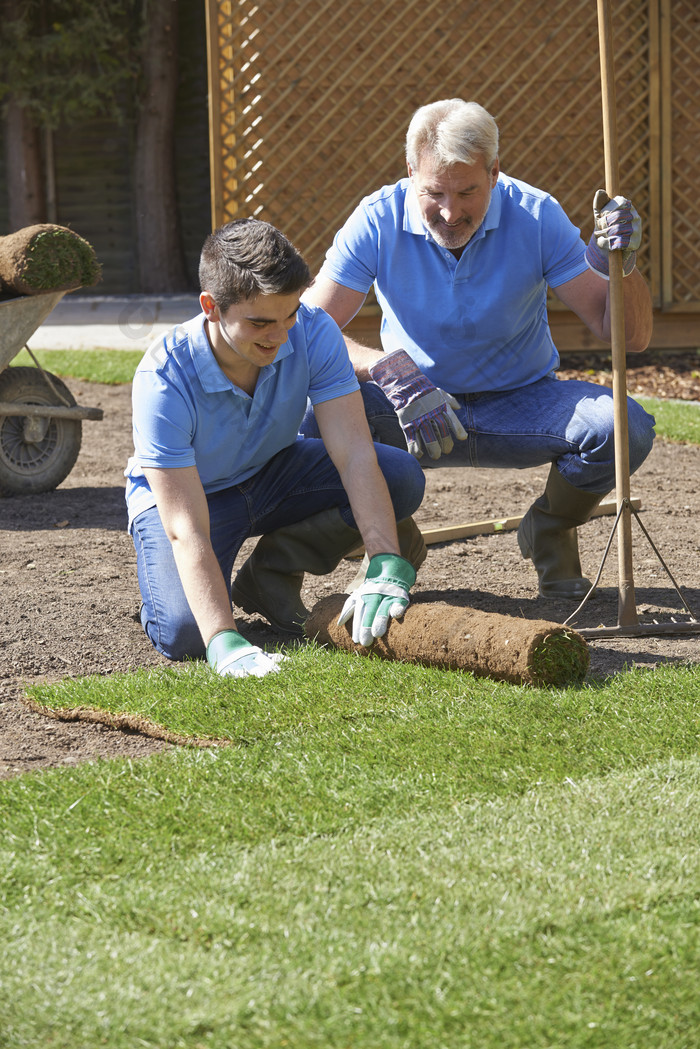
229, 654
382, 596
425, 412
618, 227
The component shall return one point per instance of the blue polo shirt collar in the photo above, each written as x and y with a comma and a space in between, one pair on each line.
208, 371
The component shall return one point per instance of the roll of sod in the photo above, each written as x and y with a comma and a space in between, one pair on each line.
46, 257
487, 644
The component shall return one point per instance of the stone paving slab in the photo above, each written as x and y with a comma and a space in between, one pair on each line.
110, 322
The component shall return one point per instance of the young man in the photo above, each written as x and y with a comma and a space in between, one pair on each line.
216, 410
461, 257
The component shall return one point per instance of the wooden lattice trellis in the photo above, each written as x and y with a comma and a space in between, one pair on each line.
310, 100
680, 90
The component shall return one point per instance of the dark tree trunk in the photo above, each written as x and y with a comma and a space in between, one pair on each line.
25, 175
26, 195
159, 243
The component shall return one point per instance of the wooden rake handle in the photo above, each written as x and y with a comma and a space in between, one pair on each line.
627, 612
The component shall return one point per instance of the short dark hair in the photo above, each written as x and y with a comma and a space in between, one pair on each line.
246, 258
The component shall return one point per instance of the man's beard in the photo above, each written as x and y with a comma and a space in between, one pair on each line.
457, 236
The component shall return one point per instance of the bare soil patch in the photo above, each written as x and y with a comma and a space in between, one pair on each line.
70, 596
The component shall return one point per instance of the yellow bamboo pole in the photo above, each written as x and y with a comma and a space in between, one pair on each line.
627, 610
214, 92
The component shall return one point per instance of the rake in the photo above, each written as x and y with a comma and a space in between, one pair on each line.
628, 624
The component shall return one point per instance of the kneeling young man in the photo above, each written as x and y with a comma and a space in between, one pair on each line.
217, 405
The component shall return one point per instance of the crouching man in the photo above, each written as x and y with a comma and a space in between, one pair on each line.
217, 404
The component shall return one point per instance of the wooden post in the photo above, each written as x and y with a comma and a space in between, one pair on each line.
214, 85
627, 611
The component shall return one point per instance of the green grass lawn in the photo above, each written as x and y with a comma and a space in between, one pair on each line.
109, 366
675, 420
382, 855
376, 856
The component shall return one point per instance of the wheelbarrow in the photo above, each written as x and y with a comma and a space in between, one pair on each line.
40, 422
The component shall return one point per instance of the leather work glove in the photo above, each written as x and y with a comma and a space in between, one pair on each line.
618, 227
425, 411
382, 596
229, 654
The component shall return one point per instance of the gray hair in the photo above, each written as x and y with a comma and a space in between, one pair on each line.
246, 258
452, 131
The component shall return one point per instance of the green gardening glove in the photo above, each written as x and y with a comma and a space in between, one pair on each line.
382, 596
229, 654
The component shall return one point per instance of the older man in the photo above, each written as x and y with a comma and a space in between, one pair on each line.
461, 257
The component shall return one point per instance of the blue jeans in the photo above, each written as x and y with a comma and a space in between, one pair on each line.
563, 421
297, 483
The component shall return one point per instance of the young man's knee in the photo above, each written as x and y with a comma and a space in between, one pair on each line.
179, 641
405, 480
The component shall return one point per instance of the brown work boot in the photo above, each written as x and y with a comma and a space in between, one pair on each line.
270, 581
547, 535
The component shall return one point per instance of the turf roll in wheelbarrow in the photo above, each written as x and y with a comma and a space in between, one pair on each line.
46, 257
487, 644
40, 423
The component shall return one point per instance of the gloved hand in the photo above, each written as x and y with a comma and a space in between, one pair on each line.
383, 595
617, 227
425, 411
229, 654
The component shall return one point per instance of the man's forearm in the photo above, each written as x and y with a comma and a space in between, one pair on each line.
639, 317
588, 295
204, 586
362, 357
371, 505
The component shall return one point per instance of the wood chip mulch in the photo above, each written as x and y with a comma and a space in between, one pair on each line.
663, 374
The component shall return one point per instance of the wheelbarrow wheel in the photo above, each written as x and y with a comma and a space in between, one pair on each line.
36, 454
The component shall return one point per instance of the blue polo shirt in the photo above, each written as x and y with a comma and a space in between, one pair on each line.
187, 413
473, 324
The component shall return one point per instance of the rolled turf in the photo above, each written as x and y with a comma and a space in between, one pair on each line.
520, 651
46, 257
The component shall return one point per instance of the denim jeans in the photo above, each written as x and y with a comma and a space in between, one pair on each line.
297, 482
563, 421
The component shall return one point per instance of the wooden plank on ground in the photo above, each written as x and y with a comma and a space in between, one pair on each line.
492, 527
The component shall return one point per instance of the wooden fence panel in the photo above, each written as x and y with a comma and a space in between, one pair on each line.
681, 92
310, 100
